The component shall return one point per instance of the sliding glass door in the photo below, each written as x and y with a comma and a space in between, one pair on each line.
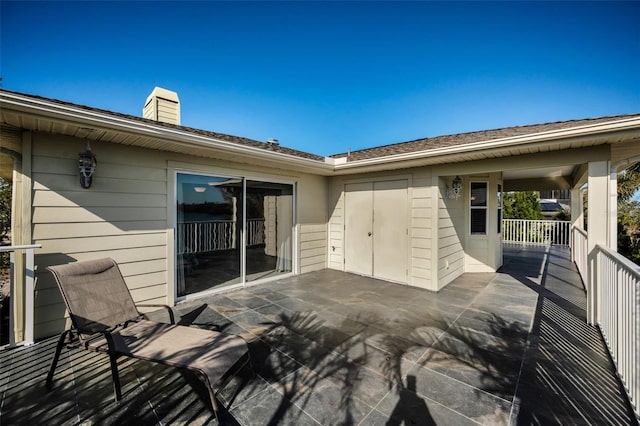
230, 230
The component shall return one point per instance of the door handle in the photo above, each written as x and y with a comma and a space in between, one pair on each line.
369, 234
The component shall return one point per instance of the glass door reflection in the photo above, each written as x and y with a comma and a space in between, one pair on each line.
269, 228
208, 232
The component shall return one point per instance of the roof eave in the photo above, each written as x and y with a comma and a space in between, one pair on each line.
449, 154
79, 117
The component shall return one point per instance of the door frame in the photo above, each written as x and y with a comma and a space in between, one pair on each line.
173, 168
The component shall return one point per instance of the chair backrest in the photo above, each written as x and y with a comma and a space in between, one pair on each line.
95, 293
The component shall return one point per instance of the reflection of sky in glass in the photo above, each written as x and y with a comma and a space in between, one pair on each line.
188, 194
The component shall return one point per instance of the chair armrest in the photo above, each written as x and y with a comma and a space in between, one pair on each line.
167, 307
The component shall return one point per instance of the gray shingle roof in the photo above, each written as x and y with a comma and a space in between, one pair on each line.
426, 144
221, 136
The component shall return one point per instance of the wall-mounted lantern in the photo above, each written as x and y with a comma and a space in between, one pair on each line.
87, 164
456, 189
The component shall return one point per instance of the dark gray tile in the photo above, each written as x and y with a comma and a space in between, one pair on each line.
457, 396
405, 407
330, 404
247, 299
270, 407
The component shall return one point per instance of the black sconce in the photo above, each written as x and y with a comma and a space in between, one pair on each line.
87, 165
456, 189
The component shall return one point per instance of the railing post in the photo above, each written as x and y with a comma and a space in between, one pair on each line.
592, 279
29, 302
13, 301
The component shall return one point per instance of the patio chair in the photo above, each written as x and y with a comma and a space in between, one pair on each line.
105, 319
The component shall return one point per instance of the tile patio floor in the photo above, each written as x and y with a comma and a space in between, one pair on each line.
335, 348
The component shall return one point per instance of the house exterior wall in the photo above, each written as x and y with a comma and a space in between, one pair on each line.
422, 232
441, 247
312, 201
128, 214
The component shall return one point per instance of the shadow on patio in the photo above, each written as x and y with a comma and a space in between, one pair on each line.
335, 348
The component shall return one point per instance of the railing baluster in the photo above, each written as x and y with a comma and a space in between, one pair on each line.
536, 231
200, 237
619, 323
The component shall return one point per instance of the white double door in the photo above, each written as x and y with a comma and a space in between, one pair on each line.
376, 229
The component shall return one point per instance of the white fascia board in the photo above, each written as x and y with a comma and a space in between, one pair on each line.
91, 119
552, 137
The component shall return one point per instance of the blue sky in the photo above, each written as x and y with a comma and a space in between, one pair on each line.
325, 77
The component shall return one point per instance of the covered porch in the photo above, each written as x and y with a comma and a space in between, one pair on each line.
330, 347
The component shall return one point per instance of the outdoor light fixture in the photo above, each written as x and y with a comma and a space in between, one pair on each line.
199, 188
456, 189
87, 165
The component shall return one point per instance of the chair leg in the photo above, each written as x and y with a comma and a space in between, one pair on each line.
116, 378
214, 402
56, 357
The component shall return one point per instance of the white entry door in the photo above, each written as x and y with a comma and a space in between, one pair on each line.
376, 231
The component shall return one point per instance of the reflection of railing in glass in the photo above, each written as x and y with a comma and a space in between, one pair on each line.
255, 232
200, 237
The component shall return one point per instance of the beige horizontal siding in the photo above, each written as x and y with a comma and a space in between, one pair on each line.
46, 231
97, 214
336, 235
123, 215
44, 181
313, 247
107, 244
94, 199
450, 235
421, 233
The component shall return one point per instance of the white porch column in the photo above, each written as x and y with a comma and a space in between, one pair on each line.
577, 208
597, 229
612, 225
577, 214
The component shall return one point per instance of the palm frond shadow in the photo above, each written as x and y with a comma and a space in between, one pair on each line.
332, 363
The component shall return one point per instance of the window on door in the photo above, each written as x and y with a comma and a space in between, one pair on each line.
478, 208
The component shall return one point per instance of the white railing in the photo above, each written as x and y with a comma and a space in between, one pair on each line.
201, 237
579, 251
619, 316
29, 294
536, 231
255, 232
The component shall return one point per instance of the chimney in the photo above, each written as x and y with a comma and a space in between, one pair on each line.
162, 105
